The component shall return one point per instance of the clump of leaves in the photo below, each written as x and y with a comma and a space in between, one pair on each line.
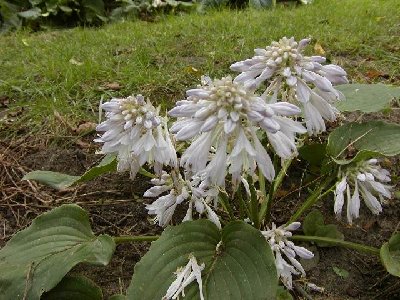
39, 13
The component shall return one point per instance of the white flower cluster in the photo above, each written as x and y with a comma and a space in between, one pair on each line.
223, 118
184, 277
198, 195
368, 180
133, 130
295, 78
277, 239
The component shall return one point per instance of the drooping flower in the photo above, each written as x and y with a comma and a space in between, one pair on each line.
277, 238
368, 181
295, 78
195, 193
134, 131
223, 118
184, 277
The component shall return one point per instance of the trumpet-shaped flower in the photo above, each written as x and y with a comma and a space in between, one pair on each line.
133, 130
368, 181
295, 78
184, 277
222, 117
277, 238
195, 192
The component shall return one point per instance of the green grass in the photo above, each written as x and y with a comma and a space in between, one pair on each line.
161, 59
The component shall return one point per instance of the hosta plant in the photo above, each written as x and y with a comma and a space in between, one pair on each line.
220, 155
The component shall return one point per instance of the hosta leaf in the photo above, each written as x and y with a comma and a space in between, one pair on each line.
367, 97
312, 221
283, 294
31, 14
313, 225
62, 181
370, 138
75, 287
314, 154
239, 264
390, 255
37, 258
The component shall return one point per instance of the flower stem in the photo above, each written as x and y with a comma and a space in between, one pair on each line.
139, 238
265, 211
312, 199
351, 245
223, 197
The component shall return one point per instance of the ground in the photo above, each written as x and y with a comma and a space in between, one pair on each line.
52, 82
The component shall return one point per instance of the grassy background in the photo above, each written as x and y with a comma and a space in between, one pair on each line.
66, 72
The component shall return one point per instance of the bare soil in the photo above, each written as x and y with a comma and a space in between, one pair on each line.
116, 207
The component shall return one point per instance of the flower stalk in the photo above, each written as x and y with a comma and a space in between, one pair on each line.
312, 199
335, 242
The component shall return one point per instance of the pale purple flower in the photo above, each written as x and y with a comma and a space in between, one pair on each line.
222, 117
285, 252
295, 78
184, 277
172, 190
134, 131
368, 180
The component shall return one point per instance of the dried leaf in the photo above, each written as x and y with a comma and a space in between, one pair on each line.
85, 127
318, 49
115, 86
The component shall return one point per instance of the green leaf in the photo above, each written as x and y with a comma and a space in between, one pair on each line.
314, 154
107, 164
329, 231
390, 255
66, 9
36, 259
260, 3
283, 294
75, 287
341, 272
313, 225
31, 14
367, 97
62, 181
370, 139
94, 9
312, 221
239, 264
55, 180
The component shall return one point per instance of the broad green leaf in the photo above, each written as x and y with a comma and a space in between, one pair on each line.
107, 164
312, 221
55, 180
62, 181
314, 154
367, 97
313, 225
36, 259
239, 264
390, 255
328, 231
31, 14
283, 294
370, 138
75, 287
